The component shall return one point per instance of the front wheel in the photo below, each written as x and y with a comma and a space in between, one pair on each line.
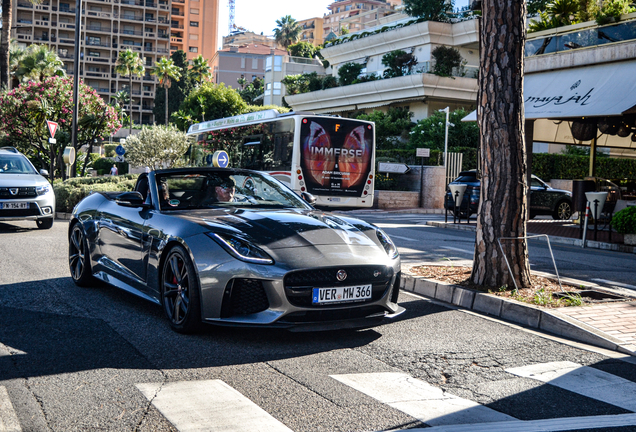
180, 292
563, 211
79, 261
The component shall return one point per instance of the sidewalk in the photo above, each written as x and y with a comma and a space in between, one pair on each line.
610, 325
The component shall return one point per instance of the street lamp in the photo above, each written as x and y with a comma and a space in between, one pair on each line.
447, 111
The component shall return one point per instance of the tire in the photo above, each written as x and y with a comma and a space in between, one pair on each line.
180, 292
79, 261
562, 211
45, 223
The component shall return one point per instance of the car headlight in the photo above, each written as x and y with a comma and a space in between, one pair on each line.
241, 249
387, 244
41, 190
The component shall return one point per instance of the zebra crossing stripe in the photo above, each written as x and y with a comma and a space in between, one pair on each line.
547, 425
420, 400
210, 405
583, 380
8, 419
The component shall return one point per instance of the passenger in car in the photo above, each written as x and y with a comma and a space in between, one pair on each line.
219, 189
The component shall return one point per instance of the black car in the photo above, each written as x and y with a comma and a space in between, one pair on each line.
544, 199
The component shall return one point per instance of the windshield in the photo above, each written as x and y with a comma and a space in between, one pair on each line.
196, 189
15, 164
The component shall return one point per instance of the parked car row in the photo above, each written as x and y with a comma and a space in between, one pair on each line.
544, 199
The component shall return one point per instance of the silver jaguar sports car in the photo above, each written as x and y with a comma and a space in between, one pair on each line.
235, 247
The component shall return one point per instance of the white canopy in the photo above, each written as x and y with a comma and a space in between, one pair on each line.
593, 91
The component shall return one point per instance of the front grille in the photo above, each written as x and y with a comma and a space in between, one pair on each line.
244, 297
299, 284
23, 192
333, 314
33, 211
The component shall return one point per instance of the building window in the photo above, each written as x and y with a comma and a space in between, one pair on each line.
193, 49
93, 53
92, 40
347, 7
254, 63
194, 23
194, 11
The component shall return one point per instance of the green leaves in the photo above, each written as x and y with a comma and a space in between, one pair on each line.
156, 146
288, 31
129, 63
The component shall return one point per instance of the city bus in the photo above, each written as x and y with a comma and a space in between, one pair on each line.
330, 157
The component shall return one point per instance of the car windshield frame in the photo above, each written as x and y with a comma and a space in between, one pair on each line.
195, 189
15, 164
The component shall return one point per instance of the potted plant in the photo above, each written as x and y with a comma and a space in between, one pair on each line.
624, 222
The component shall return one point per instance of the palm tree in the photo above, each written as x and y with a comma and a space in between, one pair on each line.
36, 63
200, 69
288, 31
122, 97
130, 63
5, 41
166, 71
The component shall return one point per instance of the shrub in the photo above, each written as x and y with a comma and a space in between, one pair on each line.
109, 150
446, 58
624, 222
70, 192
329, 81
399, 63
348, 72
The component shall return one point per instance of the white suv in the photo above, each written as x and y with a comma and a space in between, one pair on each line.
24, 193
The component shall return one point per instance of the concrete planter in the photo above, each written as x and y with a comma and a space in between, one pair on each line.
629, 239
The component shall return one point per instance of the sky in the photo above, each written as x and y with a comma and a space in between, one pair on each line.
261, 15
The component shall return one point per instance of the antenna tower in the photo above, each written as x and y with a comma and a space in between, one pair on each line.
231, 21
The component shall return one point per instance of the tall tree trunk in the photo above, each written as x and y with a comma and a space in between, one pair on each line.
166, 102
503, 208
5, 78
130, 105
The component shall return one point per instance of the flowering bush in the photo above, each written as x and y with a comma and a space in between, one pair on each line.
25, 109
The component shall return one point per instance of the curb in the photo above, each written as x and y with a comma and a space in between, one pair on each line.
517, 312
591, 244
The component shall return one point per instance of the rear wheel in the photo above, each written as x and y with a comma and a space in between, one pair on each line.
563, 211
180, 292
78, 257
46, 223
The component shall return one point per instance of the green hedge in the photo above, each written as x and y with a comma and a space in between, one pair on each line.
68, 193
550, 166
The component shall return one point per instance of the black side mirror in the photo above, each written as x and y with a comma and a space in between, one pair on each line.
309, 198
130, 199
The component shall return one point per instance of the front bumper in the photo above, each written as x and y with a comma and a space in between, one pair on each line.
41, 207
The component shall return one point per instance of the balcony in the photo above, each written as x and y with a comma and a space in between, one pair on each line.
42, 23
67, 26
25, 5
176, 26
131, 17
131, 32
176, 12
100, 14
176, 39
98, 29
68, 10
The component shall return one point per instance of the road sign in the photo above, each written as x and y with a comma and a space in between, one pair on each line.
423, 152
394, 168
52, 127
220, 159
120, 150
120, 158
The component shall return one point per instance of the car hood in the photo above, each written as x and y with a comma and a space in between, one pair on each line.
289, 228
21, 180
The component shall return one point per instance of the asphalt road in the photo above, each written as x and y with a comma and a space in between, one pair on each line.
101, 359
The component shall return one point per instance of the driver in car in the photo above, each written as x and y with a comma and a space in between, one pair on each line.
219, 190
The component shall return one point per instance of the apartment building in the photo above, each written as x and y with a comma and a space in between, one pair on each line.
248, 61
351, 10
109, 26
312, 30
194, 27
243, 38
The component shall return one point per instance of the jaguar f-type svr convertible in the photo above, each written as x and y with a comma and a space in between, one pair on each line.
235, 247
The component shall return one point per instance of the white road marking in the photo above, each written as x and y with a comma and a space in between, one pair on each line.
209, 405
548, 425
618, 284
458, 249
8, 419
421, 400
403, 238
583, 380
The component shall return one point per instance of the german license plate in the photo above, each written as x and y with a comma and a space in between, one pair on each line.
14, 206
341, 294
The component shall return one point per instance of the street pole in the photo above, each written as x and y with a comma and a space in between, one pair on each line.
76, 70
447, 111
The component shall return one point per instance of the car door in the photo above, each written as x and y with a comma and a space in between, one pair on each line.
540, 197
121, 231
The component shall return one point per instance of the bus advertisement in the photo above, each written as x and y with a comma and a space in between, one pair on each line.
331, 158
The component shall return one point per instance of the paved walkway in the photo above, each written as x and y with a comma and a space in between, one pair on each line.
614, 320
